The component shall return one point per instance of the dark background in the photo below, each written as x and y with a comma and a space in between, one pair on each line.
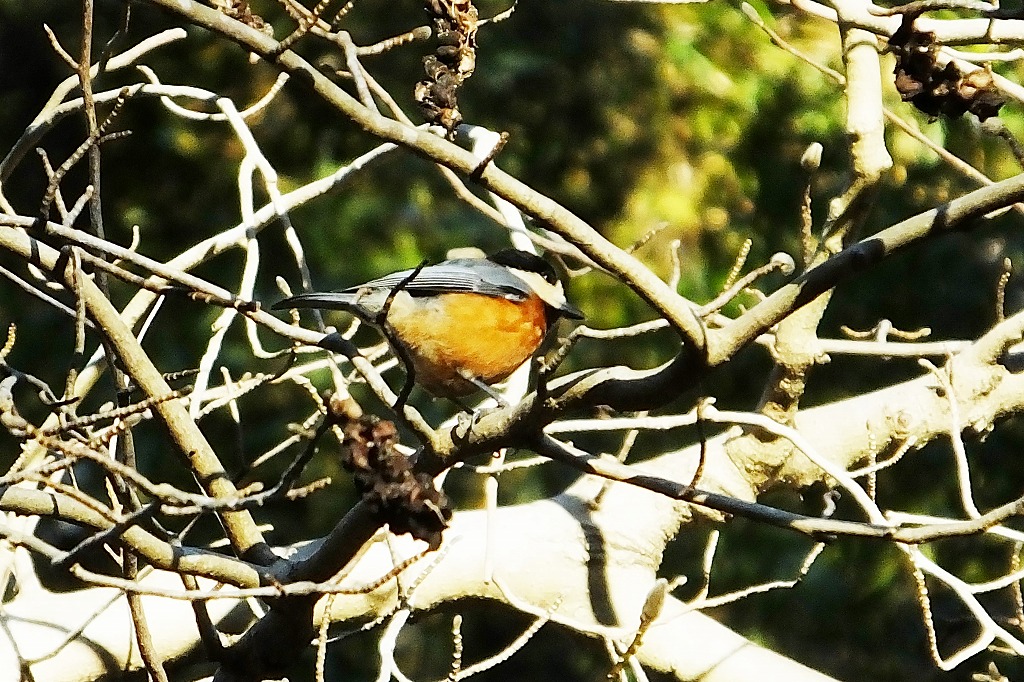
635, 118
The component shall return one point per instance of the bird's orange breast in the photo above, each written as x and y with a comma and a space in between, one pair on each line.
453, 336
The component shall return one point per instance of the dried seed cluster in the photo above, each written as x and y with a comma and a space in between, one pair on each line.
455, 24
939, 89
406, 500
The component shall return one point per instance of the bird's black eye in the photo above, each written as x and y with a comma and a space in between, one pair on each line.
523, 260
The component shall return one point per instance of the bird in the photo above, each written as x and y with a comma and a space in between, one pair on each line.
463, 324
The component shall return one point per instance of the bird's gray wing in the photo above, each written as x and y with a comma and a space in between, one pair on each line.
464, 275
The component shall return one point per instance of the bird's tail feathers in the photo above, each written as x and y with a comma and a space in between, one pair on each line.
326, 300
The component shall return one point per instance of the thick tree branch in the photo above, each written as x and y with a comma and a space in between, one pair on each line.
959, 214
245, 537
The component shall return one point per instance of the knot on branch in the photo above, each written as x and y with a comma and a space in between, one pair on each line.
406, 500
939, 89
455, 24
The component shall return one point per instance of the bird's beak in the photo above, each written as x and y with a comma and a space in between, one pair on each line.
569, 310
553, 295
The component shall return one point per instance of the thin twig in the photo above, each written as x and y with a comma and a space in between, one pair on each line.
94, 138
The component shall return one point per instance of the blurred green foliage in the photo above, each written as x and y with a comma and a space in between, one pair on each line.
679, 118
